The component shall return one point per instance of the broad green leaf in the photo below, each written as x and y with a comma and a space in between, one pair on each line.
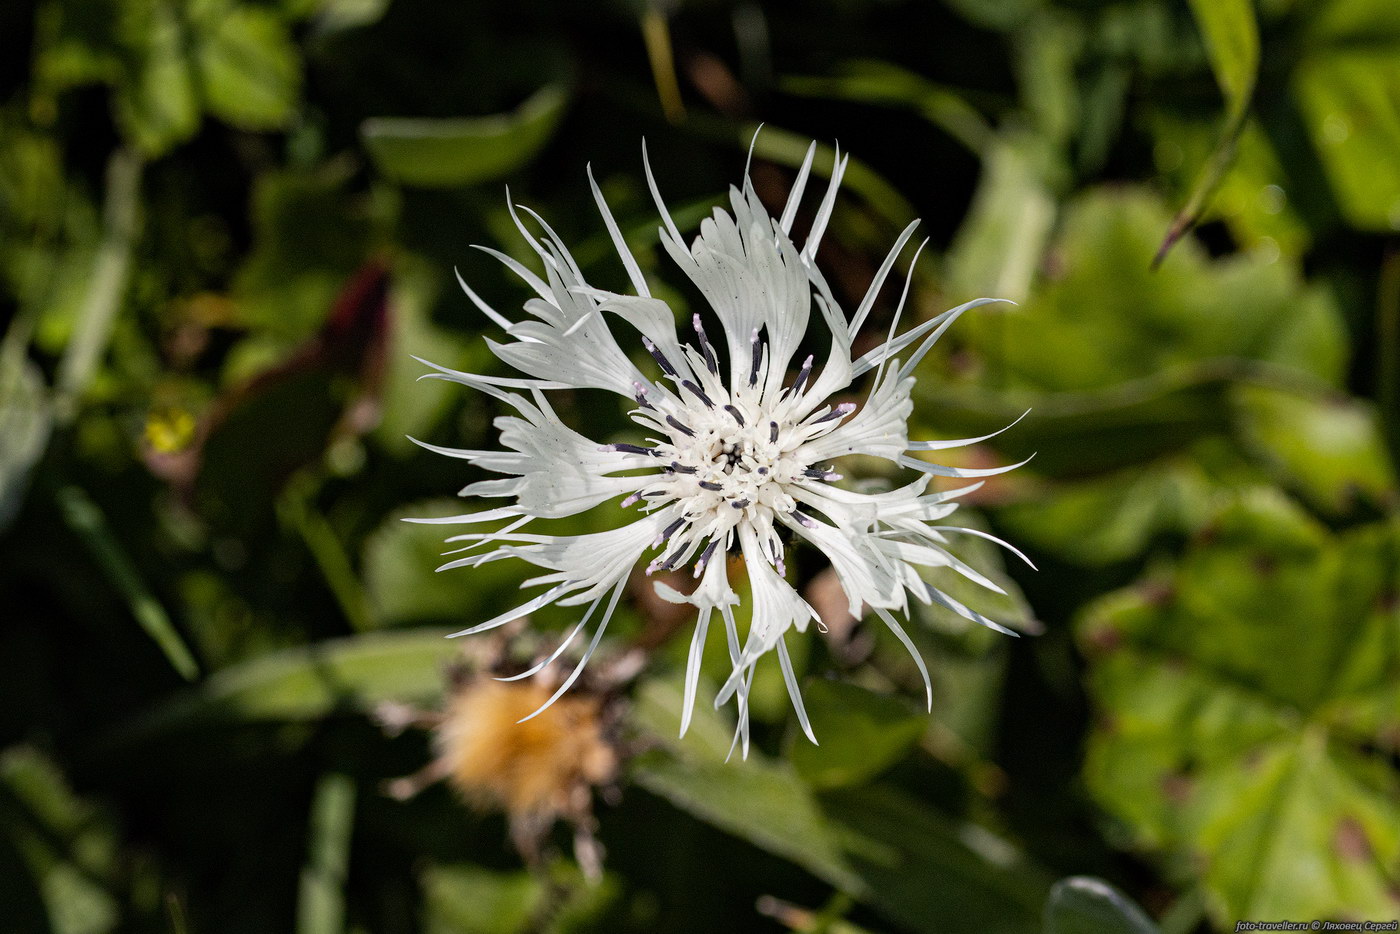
412, 407
1348, 96
1329, 449
1083, 905
1107, 318
473, 900
1242, 699
861, 734
464, 899
156, 97
249, 69
68, 846
1114, 517
918, 868
353, 673
447, 153
400, 573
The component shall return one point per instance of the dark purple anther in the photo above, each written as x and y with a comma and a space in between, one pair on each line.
841, 411
699, 393
802, 375
659, 357
711, 361
671, 420
705, 556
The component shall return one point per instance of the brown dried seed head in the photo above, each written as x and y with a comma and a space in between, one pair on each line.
542, 767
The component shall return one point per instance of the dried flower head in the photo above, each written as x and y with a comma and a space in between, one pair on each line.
538, 772
740, 441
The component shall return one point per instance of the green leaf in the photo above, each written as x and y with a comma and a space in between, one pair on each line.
309, 235
447, 153
86, 519
249, 69
882, 846
400, 562
68, 846
156, 99
321, 904
1115, 516
1106, 319
306, 683
1349, 100
1000, 246
412, 407
861, 734
25, 424
1329, 449
1232, 39
1215, 746
473, 900
876, 82
1083, 905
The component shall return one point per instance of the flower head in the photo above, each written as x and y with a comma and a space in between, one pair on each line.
742, 441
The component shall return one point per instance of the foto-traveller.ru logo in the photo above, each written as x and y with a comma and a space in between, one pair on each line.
1316, 926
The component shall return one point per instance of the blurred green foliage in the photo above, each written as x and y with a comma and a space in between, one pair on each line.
228, 226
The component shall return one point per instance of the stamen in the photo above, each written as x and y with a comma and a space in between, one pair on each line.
711, 361
639, 392
735, 412
659, 357
804, 520
672, 421
772, 432
631, 499
675, 556
681, 468
629, 449
699, 393
757, 357
739, 503
841, 411
670, 530
713, 487
802, 375
705, 556
817, 473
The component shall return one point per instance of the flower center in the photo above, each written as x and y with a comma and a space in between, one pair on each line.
732, 458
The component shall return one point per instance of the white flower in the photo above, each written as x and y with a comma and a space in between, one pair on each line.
741, 441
